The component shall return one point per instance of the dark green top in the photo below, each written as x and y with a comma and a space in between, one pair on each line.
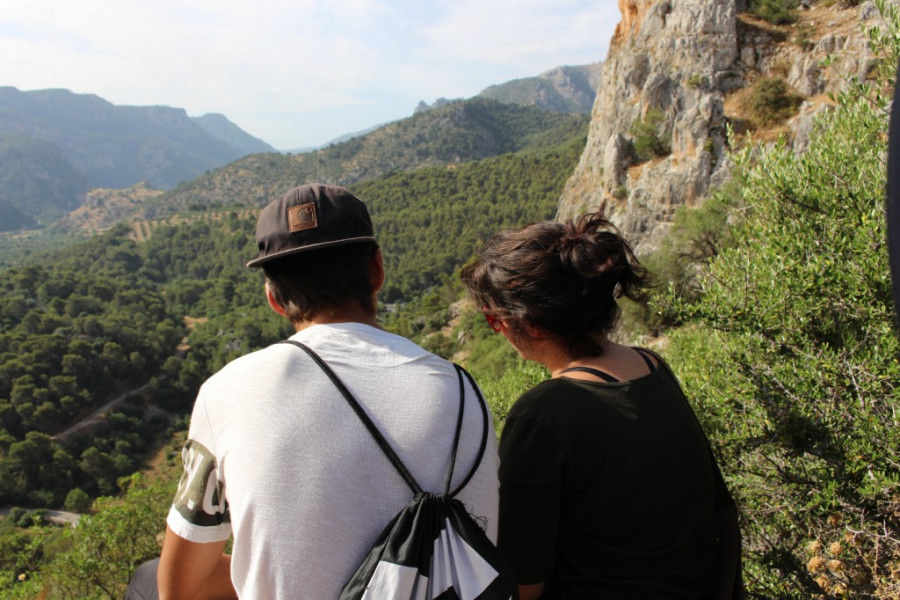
608, 490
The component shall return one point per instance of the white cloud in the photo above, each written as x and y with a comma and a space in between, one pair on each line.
519, 33
303, 61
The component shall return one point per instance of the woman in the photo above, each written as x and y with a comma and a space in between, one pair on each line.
608, 488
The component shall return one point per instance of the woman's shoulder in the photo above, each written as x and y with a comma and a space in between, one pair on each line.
541, 400
543, 391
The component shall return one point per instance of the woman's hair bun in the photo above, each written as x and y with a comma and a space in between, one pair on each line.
564, 278
593, 248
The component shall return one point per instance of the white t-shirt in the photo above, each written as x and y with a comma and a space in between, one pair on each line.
277, 457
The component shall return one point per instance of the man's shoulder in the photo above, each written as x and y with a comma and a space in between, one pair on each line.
363, 343
352, 343
261, 360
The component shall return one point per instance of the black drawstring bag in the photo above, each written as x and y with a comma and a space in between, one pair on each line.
433, 549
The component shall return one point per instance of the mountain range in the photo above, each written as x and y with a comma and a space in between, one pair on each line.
563, 89
462, 131
56, 145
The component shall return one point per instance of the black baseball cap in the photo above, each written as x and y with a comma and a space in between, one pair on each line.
311, 217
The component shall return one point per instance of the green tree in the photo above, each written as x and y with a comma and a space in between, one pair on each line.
77, 501
649, 138
107, 546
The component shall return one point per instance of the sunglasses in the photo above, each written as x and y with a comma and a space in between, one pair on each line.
491, 319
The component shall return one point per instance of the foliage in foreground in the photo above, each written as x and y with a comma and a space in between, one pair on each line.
96, 560
792, 359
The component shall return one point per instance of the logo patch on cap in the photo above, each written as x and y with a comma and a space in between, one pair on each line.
302, 217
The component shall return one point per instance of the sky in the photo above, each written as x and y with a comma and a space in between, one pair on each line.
294, 73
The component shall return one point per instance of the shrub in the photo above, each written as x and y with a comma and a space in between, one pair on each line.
106, 547
770, 101
791, 360
777, 12
501, 393
77, 501
649, 138
695, 81
697, 236
803, 38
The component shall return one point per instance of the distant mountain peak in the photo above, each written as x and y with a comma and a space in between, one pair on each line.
220, 127
563, 89
57, 144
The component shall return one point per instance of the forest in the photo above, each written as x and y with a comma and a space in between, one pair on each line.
458, 133
109, 316
773, 306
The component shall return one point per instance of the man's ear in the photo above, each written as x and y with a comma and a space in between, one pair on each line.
376, 273
273, 302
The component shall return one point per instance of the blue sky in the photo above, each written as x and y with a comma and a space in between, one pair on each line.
294, 73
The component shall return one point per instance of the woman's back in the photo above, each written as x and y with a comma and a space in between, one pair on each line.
607, 489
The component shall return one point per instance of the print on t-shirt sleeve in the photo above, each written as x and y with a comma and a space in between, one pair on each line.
200, 499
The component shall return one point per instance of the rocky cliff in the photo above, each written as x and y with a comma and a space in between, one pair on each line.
563, 89
686, 67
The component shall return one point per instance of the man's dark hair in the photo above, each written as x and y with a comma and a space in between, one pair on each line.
306, 283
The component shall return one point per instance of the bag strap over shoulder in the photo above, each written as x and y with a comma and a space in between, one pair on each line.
389, 452
484, 432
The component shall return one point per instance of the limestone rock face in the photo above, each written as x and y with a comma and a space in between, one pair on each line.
671, 56
691, 60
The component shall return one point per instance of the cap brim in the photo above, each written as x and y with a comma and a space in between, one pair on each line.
257, 262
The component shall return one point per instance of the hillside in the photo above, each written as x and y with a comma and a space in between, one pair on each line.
104, 207
38, 184
73, 326
564, 89
11, 218
457, 133
218, 126
679, 75
98, 144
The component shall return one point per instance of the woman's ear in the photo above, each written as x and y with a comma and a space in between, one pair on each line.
273, 302
535, 333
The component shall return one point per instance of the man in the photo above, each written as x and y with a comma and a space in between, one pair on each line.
276, 457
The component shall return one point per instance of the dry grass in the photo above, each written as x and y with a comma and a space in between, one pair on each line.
141, 230
811, 26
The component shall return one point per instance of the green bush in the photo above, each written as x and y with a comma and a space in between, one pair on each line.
77, 501
791, 359
501, 392
770, 101
803, 37
109, 545
648, 136
778, 12
697, 236
696, 80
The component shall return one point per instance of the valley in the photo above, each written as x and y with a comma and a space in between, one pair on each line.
757, 206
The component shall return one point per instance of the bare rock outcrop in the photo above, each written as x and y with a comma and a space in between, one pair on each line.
692, 62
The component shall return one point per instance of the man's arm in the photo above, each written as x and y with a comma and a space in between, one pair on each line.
195, 571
